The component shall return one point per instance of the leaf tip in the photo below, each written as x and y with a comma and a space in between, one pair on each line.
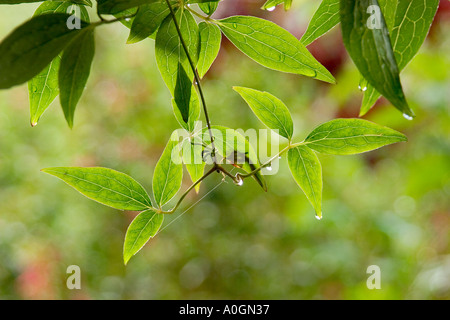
126, 259
131, 41
236, 88
362, 113
403, 138
52, 171
331, 80
409, 115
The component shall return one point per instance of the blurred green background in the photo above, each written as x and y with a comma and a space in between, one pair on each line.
388, 208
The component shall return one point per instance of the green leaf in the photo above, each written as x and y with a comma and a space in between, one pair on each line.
272, 46
43, 88
202, 1
127, 22
49, 7
307, 172
370, 97
74, 72
32, 46
148, 19
210, 41
192, 158
409, 25
83, 2
106, 186
117, 6
351, 136
324, 19
169, 51
168, 174
144, 227
371, 49
199, 2
271, 4
269, 109
413, 19
174, 65
209, 7
18, 1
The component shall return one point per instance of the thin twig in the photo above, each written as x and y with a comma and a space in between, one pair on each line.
194, 70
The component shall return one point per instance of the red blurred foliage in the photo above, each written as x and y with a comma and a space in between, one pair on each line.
35, 282
442, 15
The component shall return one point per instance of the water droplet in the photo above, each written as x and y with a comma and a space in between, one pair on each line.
269, 168
363, 89
127, 19
362, 84
270, 9
279, 157
34, 89
239, 181
407, 117
235, 25
319, 217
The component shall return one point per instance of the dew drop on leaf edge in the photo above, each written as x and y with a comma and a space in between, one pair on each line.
407, 117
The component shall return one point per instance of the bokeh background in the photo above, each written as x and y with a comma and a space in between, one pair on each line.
388, 208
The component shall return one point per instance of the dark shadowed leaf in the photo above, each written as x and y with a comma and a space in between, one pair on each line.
44, 87
148, 19
409, 23
117, 6
169, 51
366, 38
32, 46
74, 72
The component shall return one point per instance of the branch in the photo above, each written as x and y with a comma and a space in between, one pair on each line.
197, 78
189, 190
